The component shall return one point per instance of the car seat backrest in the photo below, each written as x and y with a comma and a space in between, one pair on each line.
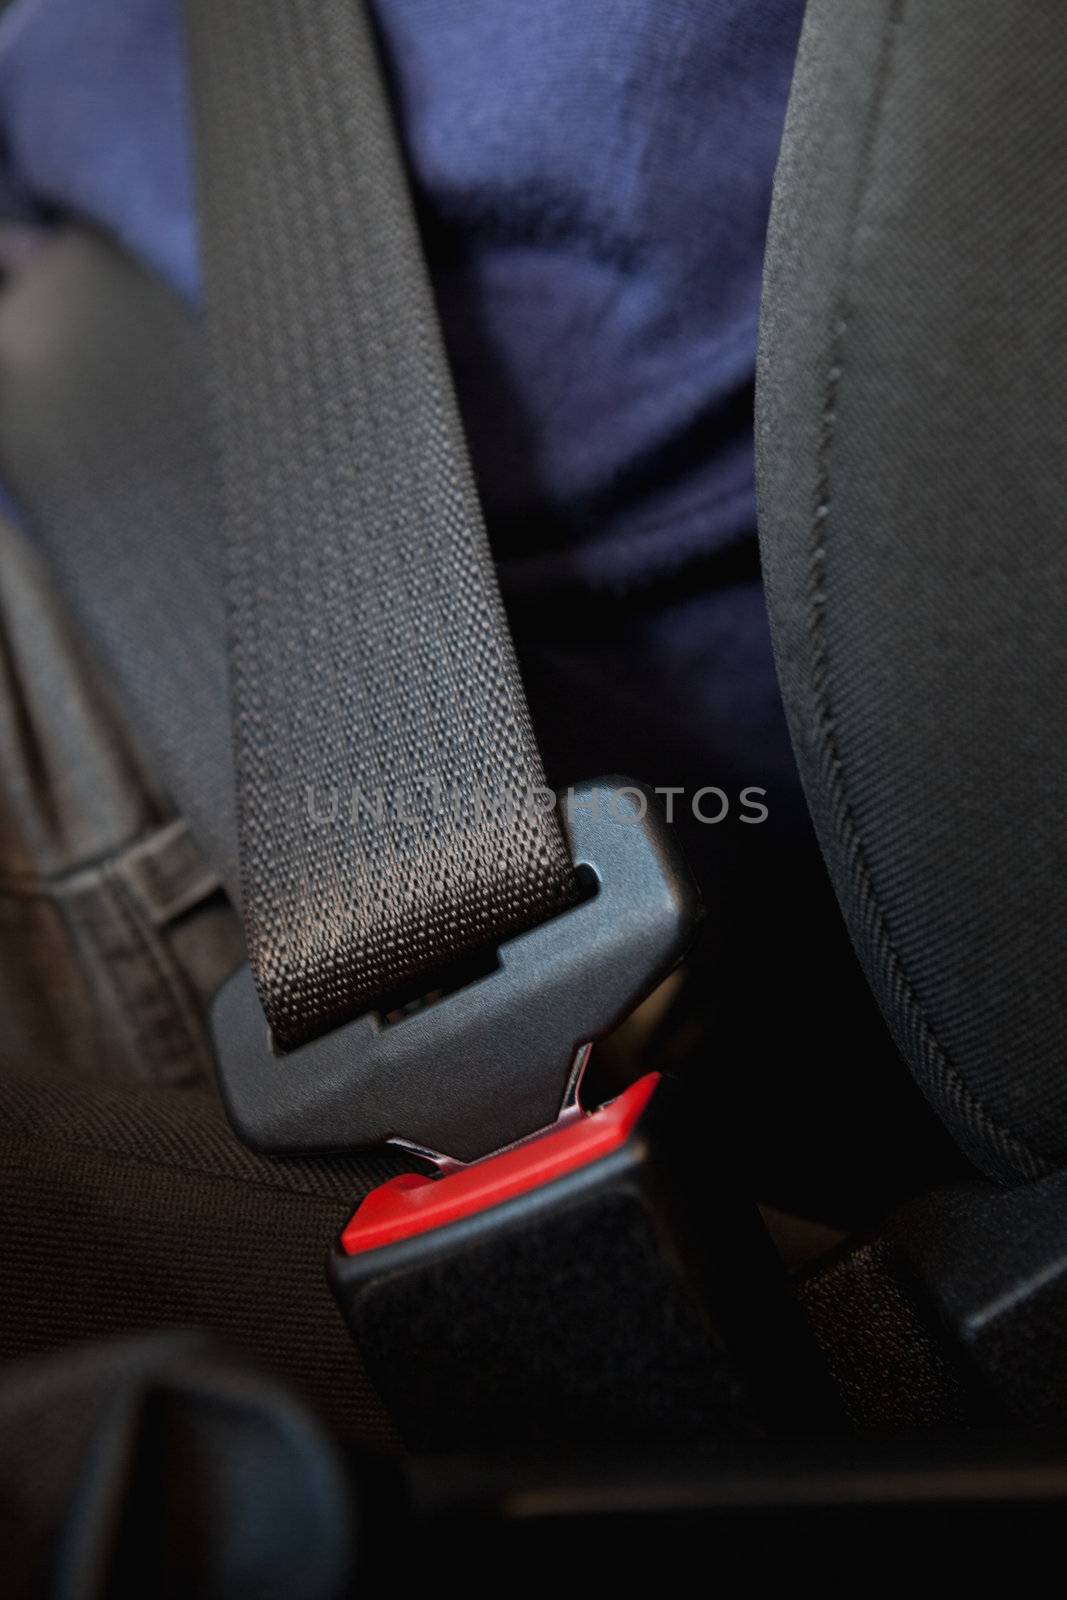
912, 443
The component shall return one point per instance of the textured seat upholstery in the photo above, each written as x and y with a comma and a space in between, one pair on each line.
912, 444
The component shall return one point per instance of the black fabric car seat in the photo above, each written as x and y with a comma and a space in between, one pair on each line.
912, 443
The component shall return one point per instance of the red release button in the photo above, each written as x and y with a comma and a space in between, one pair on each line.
414, 1204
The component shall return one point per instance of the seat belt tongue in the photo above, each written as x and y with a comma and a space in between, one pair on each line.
496, 1060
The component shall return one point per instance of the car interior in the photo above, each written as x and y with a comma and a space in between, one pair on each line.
532, 983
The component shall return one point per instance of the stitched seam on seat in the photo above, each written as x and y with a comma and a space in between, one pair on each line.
82, 874
944, 1074
192, 1051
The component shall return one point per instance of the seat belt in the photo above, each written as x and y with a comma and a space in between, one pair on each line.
395, 831
368, 648
370, 660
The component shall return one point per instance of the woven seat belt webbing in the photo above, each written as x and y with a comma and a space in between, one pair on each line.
387, 774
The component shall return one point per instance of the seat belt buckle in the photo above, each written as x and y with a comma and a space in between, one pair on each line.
606, 1280
566, 1275
498, 1059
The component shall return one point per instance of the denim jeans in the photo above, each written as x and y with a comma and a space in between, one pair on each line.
113, 928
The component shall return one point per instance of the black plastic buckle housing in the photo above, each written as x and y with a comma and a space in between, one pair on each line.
492, 1062
635, 1296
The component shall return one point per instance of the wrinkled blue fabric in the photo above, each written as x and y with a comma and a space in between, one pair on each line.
93, 121
595, 176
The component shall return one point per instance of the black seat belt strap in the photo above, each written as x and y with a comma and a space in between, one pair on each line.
389, 786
